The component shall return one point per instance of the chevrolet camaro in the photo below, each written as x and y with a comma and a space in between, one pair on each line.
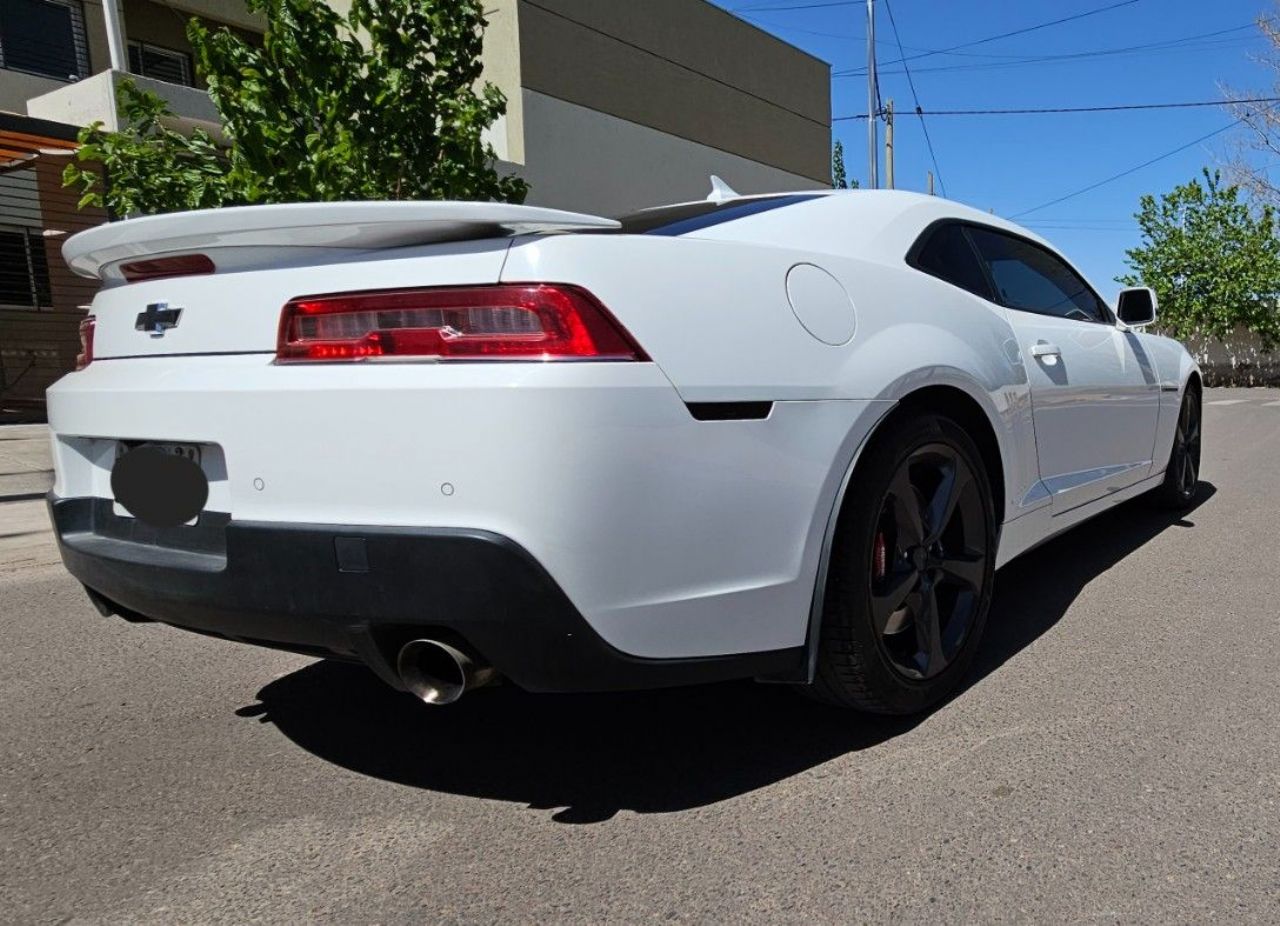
787, 437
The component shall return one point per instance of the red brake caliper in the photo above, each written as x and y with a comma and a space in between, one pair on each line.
880, 557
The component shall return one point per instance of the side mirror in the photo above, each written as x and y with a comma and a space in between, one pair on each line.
1137, 306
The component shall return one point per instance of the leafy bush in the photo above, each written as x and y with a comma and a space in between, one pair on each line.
385, 103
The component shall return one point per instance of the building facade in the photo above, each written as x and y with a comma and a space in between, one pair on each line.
613, 105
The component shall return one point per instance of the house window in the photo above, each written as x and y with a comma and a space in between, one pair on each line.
24, 269
44, 37
165, 64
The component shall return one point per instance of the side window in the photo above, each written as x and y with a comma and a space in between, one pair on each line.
1029, 278
947, 255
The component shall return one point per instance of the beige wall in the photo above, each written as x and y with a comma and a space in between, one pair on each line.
502, 69
685, 68
580, 159
16, 88
231, 12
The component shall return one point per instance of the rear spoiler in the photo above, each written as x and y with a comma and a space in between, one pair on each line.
359, 226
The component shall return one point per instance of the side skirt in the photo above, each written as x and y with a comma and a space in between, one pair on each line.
1024, 534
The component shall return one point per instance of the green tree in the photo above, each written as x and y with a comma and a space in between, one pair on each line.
1214, 263
384, 103
839, 176
151, 167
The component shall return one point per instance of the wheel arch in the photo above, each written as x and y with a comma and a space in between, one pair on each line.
943, 398
966, 411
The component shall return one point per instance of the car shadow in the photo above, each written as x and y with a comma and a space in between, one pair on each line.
586, 757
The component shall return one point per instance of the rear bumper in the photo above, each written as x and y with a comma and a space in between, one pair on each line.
359, 593
651, 521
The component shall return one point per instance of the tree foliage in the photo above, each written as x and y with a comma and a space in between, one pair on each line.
384, 103
151, 168
839, 175
1214, 263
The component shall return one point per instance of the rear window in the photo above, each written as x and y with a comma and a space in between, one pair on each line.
690, 217
945, 252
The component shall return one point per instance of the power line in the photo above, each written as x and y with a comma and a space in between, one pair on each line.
1064, 220
671, 61
1127, 107
797, 6
997, 57
1022, 31
1120, 229
1190, 42
916, 99
1125, 173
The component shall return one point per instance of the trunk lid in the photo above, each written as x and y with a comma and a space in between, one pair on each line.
266, 255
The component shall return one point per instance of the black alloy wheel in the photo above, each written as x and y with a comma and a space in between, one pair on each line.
928, 561
1186, 447
1182, 477
910, 571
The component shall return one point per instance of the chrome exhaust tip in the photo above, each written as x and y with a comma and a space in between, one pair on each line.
438, 674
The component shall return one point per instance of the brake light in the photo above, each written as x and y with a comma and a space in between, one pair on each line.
85, 357
158, 268
530, 321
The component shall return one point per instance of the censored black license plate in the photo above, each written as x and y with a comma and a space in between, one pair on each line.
162, 485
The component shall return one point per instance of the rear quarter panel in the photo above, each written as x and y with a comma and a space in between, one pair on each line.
716, 317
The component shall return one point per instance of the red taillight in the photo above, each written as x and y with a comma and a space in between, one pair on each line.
511, 322
85, 357
158, 268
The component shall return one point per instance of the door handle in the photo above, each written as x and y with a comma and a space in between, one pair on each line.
1045, 349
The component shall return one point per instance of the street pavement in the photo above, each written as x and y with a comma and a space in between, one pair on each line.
1115, 757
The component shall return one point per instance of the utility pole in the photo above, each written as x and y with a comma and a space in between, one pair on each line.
888, 144
930, 183
873, 141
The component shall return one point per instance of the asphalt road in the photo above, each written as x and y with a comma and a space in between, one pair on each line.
1116, 758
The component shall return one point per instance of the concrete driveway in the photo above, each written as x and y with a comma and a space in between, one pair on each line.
1115, 758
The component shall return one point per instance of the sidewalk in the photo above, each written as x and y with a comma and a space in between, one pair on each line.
26, 470
26, 474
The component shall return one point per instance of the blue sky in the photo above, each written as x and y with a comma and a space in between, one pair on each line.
1014, 163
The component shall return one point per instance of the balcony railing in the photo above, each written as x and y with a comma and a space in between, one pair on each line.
94, 100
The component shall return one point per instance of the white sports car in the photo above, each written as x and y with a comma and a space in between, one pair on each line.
785, 437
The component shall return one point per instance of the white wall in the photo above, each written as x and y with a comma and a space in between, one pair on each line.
1237, 361
580, 159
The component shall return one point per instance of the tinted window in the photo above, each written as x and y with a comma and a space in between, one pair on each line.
680, 220
1029, 278
173, 67
947, 254
24, 269
44, 37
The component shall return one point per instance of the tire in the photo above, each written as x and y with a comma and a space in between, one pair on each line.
872, 655
1182, 476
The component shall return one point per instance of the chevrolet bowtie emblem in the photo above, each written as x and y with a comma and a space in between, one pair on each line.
157, 319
